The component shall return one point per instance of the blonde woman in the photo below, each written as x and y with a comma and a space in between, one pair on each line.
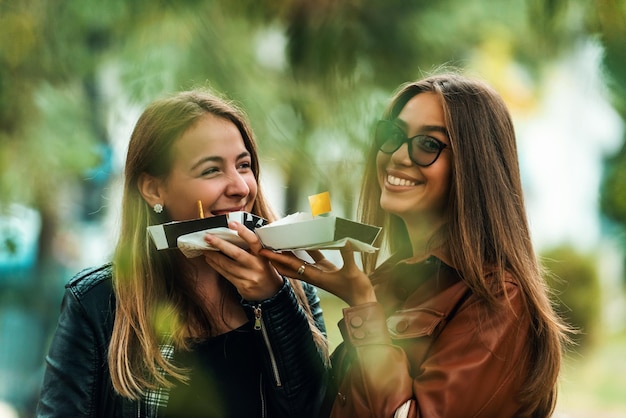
155, 334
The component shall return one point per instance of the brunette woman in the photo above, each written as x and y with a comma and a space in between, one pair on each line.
457, 322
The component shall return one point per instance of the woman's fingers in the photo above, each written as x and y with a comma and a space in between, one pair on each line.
348, 283
322, 275
253, 276
232, 250
316, 255
248, 236
289, 265
286, 263
348, 257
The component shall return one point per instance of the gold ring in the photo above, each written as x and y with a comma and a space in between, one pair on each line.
301, 269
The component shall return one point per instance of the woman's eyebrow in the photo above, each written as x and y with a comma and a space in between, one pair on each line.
434, 128
401, 123
218, 159
244, 154
211, 158
425, 128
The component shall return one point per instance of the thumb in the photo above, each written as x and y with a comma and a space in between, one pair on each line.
348, 256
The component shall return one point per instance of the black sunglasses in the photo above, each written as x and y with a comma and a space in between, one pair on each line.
423, 149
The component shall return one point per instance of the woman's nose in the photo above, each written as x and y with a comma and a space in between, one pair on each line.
237, 185
401, 155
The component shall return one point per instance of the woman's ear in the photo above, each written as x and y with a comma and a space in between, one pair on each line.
150, 189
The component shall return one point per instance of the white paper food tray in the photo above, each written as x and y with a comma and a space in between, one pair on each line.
324, 232
166, 236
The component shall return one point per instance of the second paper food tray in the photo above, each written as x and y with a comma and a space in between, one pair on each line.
315, 232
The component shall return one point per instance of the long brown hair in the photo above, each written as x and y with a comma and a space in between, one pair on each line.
149, 302
486, 224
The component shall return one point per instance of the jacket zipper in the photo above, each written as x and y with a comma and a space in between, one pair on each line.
259, 326
262, 393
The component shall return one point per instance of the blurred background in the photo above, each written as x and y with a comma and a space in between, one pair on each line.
313, 76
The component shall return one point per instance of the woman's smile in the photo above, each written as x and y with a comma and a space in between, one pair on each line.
399, 181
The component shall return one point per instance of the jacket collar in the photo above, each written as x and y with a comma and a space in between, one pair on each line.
404, 282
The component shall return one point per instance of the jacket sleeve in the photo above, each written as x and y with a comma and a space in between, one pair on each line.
76, 381
295, 370
72, 366
472, 367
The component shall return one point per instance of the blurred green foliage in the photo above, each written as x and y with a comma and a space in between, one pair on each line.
573, 277
610, 25
313, 75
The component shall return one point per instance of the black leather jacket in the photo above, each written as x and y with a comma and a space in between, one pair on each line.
77, 382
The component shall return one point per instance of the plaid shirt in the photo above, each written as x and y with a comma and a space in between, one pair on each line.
155, 400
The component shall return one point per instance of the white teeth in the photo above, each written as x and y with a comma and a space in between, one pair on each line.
396, 181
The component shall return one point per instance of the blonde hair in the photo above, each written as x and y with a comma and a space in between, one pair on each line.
149, 302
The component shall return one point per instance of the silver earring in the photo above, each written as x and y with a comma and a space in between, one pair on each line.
158, 208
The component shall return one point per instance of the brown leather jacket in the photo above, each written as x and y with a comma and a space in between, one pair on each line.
430, 348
